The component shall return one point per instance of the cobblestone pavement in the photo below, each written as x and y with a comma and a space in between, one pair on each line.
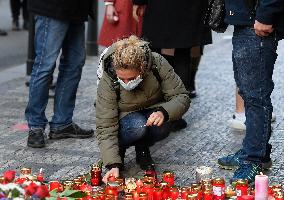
205, 139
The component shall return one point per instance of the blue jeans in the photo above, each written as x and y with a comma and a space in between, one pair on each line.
133, 132
51, 36
253, 62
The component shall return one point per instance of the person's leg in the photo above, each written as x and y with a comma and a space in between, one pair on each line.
254, 63
182, 65
131, 129
239, 118
15, 9
49, 36
25, 15
195, 54
70, 70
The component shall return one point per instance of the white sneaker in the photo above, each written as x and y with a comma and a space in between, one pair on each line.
238, 122
273, 118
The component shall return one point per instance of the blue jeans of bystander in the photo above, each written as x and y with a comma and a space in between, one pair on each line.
253, 62
51, 36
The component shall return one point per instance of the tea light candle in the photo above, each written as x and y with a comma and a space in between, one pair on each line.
261, 187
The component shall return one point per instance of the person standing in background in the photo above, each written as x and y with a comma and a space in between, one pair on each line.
59, 25
173, 28
16, 6
258, 26
118, 22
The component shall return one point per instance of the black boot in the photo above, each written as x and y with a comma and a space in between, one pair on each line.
177, 125
122, 151
194, 63
143, 157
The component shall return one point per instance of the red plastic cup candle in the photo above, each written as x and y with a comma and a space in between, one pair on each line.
241, 188
218, 188
112, 188
261, 187
169, 177
208, 194
174, 191
148, 188
247, 197
158, 193
54, 185
184, 191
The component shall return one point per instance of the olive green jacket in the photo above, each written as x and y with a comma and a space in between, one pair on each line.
170, 94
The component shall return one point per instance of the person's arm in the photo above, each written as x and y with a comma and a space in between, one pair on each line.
266, 14
107, 123
138, 9
177, 99
110, 12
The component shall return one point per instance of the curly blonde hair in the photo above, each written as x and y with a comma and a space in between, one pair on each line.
128, 54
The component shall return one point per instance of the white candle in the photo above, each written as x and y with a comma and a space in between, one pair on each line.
261, 187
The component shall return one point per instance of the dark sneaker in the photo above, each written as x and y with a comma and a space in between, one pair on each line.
143, 158
178, 125
3, 33
192, 94
36, 138
232, 161
72, 131
247, 171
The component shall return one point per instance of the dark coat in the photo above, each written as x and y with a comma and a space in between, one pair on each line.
244, 12
175, 23
70, 10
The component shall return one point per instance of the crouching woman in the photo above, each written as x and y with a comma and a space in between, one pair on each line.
138, 96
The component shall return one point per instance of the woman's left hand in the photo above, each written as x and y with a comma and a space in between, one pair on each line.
156, 118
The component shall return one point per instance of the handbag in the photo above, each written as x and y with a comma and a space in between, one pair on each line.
215, 15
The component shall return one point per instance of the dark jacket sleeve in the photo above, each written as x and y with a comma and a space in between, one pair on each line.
268, 10
140, 2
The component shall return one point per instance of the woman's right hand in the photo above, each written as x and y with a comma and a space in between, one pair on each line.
138, 11
113, 172
111, 14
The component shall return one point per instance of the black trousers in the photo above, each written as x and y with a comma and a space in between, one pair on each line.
181, 64
16, 6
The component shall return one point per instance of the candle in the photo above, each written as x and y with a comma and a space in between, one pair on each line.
54, 185
169, 177
218, 188
261, 187
247, 197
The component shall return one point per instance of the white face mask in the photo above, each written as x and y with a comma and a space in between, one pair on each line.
131, 84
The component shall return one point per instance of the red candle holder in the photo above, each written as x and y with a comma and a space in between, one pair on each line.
218, 188
158, 193
55, 185
174, 192
169, 177
241, 188
184, 191
148, 188
208, 194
